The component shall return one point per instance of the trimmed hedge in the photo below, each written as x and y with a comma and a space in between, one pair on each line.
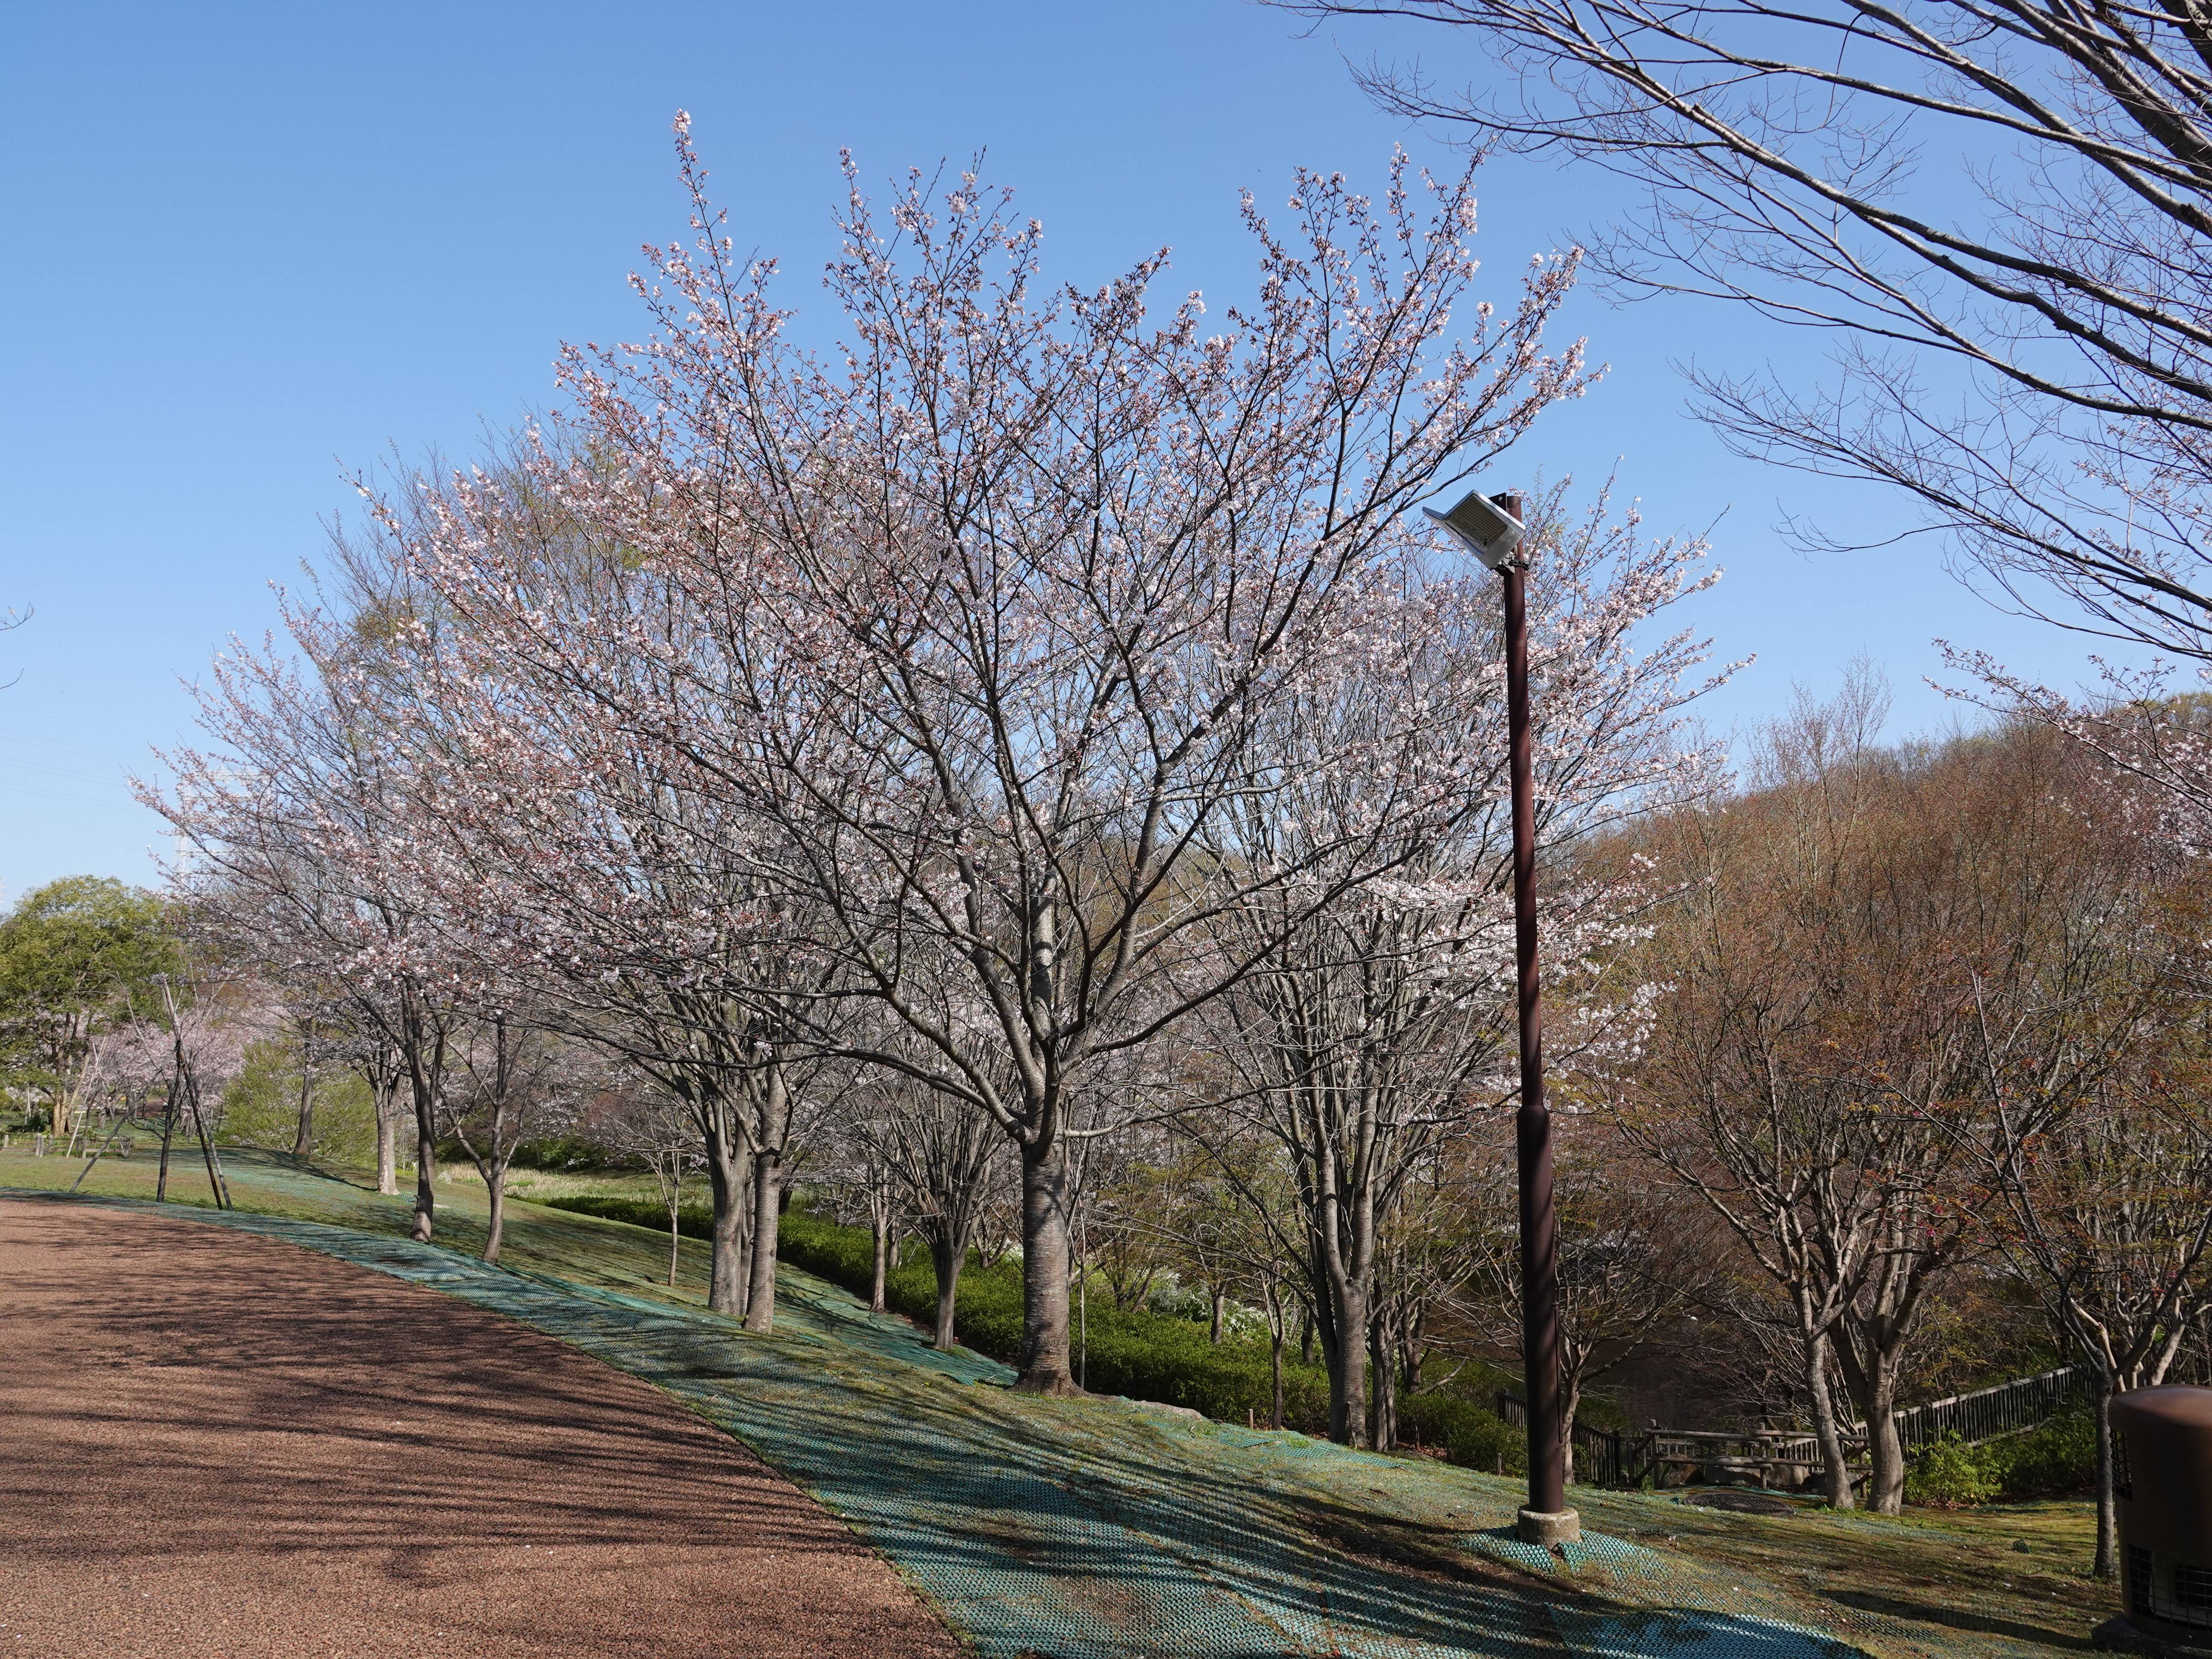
693, 1220
1145, 1355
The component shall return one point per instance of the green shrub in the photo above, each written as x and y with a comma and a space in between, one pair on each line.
1162, 1357
1949, 1474
1472, 1434
560, 1153
261, 1108
2055, 1460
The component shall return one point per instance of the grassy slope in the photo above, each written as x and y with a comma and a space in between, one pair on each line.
1927, 1583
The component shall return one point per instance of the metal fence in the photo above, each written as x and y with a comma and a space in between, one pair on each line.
1986, 1413
1603, 1457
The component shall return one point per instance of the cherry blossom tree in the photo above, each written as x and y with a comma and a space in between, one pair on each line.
775, 685
1010, 585
593, 854
514, 1083
300, 822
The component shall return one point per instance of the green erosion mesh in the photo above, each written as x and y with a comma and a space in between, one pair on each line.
1096, 1529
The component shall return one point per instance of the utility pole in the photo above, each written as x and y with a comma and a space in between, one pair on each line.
1491, 527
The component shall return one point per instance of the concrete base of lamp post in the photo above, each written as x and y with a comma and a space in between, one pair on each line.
1548, 1527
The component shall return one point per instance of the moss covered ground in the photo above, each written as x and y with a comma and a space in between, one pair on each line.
1087, 1527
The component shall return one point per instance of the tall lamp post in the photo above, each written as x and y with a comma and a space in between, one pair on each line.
1490, 528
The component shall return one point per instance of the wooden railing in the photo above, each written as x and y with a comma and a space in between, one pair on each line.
1611, 1457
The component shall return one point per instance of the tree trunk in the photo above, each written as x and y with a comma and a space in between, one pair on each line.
675, 1227
1044, 1366
726, 1176
1382, 1392
2108, 1563
168, 1131
425, 1166
496, 1189
1571, 1401
1835, 1470
948, 1261
760, 1271
1214, 1332
879, 1224
303, 1139
1870, 1373
1305, 1335
1275, 1328
769, 1095
1886, 1451
1345, 1354
387, 1141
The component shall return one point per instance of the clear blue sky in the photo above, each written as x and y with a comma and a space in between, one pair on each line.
250, 248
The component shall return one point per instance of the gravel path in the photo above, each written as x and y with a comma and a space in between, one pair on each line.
216, 1444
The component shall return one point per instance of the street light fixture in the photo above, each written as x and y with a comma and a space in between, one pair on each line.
1490, 528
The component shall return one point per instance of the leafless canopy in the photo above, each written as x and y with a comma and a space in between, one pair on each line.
1999, 207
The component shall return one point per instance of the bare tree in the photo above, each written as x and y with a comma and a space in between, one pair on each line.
2101, 1154
941, 1163
1846, 932
2001, 213
515, 1083
1631, 1262
653, 1126
1370, 1031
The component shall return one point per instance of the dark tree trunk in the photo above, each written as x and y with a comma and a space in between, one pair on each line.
771, 1097
1870, 1376
1275, 1359
303, 1140
947, 1257
425, 1166
880, 1225
1835, 1470
760, 1269
1382, 1399
168, 1132
1214, 1331
726, 1177
1343, 1322
1044, 1357
2107, 1564
496, 1190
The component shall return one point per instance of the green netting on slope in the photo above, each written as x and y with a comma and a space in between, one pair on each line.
1094, 1529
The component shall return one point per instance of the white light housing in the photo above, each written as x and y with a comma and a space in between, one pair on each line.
1490, 531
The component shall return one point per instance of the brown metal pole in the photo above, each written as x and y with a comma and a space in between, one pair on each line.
1547, 1520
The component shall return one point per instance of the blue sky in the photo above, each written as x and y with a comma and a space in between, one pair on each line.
251, 249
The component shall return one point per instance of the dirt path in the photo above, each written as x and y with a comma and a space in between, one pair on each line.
214, 1444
